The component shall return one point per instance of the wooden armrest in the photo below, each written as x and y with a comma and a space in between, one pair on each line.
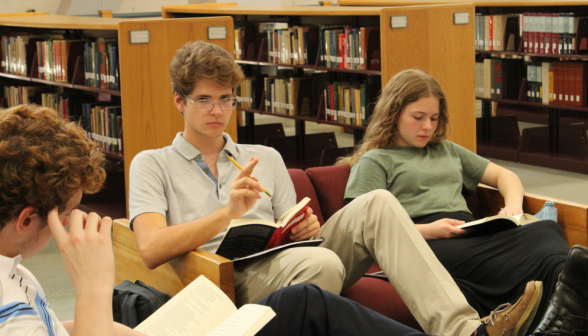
174, 275
571, 216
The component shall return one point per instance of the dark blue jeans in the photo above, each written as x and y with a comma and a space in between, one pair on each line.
307, 310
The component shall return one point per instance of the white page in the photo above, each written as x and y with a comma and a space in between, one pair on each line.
247, 321
196, 310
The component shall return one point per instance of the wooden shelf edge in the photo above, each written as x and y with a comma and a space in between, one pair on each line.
11, 76
308, 66
526, 103
522, 54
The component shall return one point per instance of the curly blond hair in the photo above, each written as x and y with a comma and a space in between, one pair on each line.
200, 60
406, 87
44, 161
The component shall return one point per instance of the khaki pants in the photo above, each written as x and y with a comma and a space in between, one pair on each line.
374, 227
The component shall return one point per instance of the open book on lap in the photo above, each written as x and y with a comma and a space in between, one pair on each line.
496, 224
203, 309
245, 237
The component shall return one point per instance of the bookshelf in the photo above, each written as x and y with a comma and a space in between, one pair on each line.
150, 120
427, 42
562, 142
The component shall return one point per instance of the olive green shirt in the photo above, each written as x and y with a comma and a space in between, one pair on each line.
425, 180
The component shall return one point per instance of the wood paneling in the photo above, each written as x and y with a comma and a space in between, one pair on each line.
572, 216
60, 21
433, 43
475, 2
150, 119
23, 14
168, 11
174, 275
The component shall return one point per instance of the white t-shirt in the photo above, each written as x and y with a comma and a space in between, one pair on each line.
24, 308
170, 181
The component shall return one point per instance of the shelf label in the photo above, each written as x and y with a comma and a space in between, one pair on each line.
461, 18
217, 33
399, 21
139, 36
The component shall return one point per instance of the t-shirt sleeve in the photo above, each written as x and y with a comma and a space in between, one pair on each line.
284, 196
473, 167
146, 186
366, 175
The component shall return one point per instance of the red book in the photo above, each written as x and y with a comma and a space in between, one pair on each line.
554, 34
246, 237
566, 83
582, 84
541, 28
526, 37
490, 32
578, 67
555, 89
530, 18
536, 32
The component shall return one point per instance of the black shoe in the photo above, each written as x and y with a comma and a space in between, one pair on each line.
567, 312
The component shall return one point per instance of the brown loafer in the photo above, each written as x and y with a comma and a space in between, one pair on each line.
514, 320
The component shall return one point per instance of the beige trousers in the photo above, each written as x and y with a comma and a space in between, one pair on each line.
374, 227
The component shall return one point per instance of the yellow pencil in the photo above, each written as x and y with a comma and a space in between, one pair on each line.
236, 164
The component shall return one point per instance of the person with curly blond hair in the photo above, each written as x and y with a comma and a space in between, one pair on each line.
404, 152
184, 196
46, 164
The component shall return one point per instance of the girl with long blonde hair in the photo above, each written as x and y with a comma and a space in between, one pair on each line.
405, 152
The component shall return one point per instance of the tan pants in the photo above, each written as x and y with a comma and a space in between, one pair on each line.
374, 227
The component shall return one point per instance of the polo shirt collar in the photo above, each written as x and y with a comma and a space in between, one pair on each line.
8, 265
189, 152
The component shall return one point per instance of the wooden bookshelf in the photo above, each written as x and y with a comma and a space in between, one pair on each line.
150, 120
429, 42
547, 156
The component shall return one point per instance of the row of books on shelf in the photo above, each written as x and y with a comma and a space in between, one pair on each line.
56, 59
288, 95
350, 48
348, 102
345, 97
101, 64
338, 46
542, 33
103, 123
553, 83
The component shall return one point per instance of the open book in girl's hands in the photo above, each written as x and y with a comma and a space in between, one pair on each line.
246, 237
203, 309
497, 223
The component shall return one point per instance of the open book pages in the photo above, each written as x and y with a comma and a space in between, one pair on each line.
203, 309
521, 219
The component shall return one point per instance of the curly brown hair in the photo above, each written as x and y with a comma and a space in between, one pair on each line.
200, 60
44, 161
404, 88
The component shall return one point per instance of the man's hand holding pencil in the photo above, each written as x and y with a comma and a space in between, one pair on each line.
245, 191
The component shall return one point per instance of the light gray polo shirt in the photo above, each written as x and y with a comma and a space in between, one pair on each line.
171, 181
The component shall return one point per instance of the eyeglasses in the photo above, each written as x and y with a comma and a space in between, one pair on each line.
205, 104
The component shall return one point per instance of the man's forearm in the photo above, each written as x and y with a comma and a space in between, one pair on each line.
157, 246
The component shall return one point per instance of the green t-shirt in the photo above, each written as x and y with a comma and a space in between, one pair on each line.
425, 180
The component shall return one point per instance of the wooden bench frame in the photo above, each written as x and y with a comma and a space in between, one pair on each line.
174, 275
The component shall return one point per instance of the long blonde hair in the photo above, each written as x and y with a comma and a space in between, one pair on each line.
405, 88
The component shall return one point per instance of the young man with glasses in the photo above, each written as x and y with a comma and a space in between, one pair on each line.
183, 197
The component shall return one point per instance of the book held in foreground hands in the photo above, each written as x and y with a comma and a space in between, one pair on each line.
246, 237
203, 309
497, 223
